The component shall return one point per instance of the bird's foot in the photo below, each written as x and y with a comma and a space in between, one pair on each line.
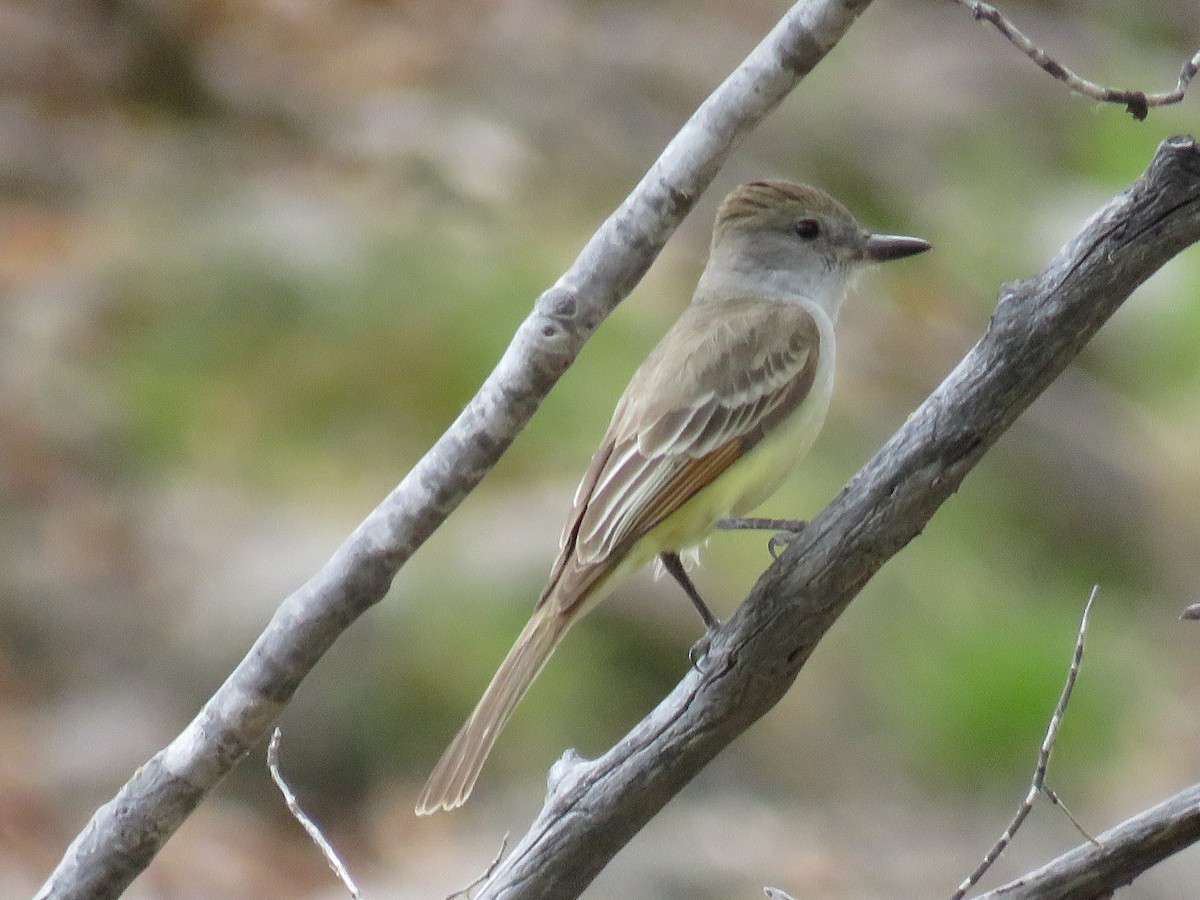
699, 650
780, 539
786, 530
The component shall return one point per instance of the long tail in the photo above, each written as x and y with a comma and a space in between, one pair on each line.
454, 776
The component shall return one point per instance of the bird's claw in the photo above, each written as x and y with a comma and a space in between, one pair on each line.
786, 530
780, 539
699, 650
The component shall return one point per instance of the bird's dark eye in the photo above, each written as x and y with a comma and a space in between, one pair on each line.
807, 229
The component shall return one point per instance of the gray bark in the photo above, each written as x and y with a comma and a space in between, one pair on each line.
1126, 851
1038, 327
124, 835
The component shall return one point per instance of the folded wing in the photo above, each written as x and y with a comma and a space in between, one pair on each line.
714, 387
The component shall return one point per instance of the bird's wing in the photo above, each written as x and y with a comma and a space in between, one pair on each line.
715, 385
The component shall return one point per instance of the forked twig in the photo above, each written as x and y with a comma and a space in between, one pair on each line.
1137, 102
314, 833
1038, 785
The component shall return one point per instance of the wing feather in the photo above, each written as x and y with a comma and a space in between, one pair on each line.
715, 385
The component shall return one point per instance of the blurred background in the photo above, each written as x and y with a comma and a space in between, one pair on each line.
255, 256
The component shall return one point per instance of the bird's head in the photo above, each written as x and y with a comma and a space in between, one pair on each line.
793, 238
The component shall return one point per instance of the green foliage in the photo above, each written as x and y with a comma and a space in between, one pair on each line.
971, 688
232, 361
972, 651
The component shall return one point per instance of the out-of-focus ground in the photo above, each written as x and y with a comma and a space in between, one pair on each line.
255, 256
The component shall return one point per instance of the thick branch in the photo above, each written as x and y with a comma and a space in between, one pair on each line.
1122, 854
125, 834
1039, 326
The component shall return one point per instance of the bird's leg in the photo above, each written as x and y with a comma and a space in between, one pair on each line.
786, 530
674, 566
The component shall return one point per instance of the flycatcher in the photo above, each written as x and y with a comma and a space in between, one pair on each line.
710, 424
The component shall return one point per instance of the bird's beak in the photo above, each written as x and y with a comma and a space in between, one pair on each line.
883, 247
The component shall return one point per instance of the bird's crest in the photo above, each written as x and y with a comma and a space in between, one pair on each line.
759, 196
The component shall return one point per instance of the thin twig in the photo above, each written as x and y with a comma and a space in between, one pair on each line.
1039, 779
1137, 102
1052, 795
314, 833
487, 873
1038, 785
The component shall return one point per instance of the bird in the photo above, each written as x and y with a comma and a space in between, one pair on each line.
710, 424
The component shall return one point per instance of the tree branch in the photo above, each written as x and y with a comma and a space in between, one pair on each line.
124, 835
1136, 103
1124, 852
1039, 326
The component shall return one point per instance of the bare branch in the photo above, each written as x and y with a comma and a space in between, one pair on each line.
309, 826
1038, 785
124, 835
1116, 858
1039, 326
1138, 103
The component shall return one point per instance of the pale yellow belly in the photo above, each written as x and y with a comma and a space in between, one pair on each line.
741, 488
745, 484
